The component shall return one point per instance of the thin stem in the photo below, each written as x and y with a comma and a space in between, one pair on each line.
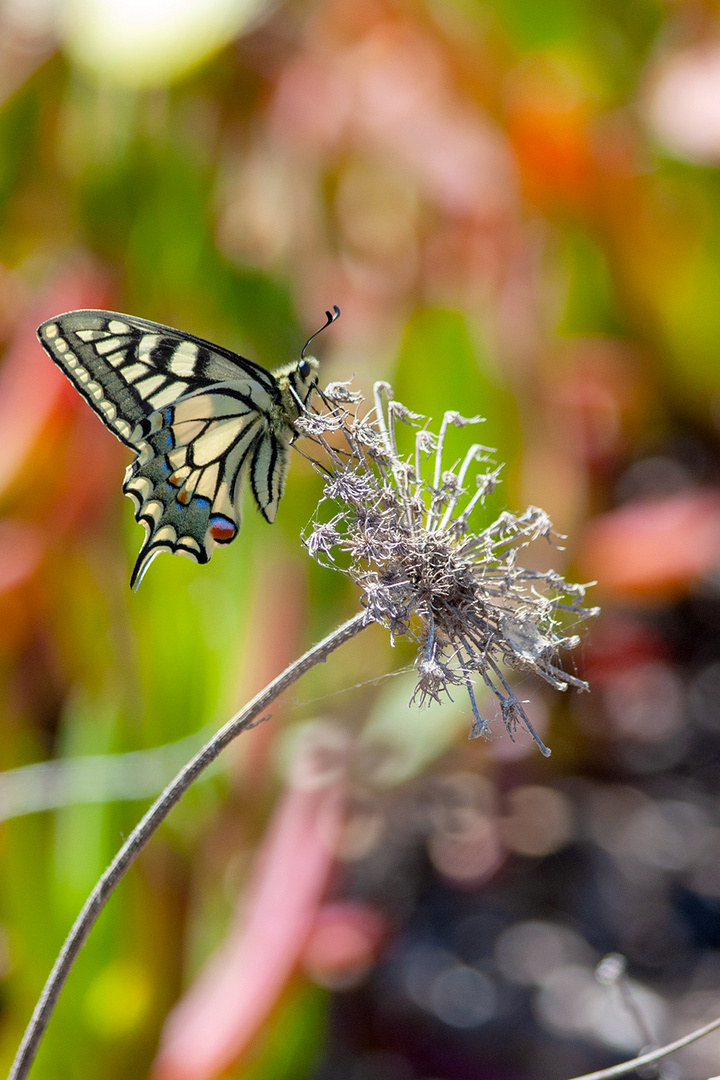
419, 485
439, 449
473, 454
380, 389
157, 813
472, 504
651, 1056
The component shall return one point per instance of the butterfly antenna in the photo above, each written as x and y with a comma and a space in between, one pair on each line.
331, 316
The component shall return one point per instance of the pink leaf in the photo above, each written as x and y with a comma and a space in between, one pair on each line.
655, 547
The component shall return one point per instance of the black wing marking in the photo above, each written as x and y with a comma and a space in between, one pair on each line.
127, 368
268, 473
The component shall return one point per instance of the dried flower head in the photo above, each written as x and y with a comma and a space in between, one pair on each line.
402, 532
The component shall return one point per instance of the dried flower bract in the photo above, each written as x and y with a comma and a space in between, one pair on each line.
402, 531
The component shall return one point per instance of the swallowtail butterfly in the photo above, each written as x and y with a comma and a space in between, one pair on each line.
197, 417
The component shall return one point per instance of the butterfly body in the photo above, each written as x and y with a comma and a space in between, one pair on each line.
198, 418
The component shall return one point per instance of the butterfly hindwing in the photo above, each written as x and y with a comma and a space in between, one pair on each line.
185, 480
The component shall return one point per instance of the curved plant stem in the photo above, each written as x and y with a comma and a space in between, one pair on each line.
157, 813
651, 1056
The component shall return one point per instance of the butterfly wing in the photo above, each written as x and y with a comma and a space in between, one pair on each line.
194, 414
127, 368
185, 481
267, 473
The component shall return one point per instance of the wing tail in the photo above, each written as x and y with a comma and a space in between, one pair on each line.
169, 525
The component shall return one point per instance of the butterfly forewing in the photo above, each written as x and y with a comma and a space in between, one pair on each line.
127, 367
195, 414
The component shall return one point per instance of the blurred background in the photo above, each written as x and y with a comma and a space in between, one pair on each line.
517, 208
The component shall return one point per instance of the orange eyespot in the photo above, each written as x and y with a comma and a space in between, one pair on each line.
222, 529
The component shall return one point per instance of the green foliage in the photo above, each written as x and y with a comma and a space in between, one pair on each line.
590, 304
291, 1043
18, 142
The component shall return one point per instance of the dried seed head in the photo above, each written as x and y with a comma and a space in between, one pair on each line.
402, 532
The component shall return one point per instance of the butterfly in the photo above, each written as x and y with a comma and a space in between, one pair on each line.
196, 415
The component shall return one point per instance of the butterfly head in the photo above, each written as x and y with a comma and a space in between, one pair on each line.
296, 382
305, 368
306, 377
